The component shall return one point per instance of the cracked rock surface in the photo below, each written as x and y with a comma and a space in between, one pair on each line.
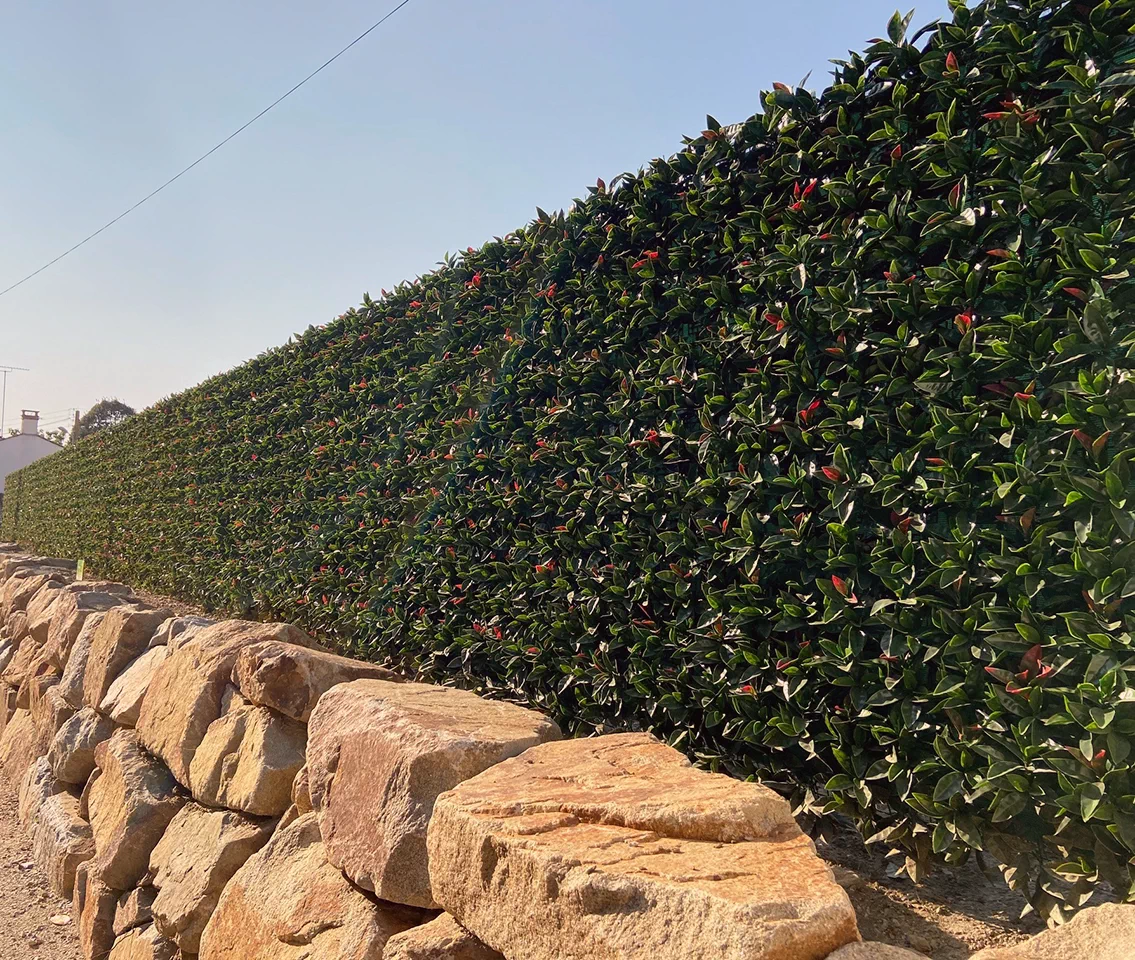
615, 846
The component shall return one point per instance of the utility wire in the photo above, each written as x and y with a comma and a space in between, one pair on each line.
204, 156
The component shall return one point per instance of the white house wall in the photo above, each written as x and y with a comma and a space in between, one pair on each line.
20, 450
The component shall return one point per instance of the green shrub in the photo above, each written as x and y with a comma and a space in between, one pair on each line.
809, 448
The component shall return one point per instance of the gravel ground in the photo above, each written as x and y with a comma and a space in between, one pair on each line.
31, 917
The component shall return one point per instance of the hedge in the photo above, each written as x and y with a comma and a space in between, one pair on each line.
809, 448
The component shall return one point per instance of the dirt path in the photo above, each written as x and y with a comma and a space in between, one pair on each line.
27, 906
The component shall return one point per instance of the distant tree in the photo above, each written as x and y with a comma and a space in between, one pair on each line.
105, 413
58, 435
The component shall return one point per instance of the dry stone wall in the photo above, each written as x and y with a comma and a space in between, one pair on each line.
232, 791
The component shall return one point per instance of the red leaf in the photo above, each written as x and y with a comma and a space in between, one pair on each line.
951, 62
840, 584
833, 473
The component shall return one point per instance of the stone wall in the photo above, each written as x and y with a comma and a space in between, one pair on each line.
232, 791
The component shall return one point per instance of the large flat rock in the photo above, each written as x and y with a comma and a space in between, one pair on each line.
185, 692
378, 755
131, 803
291, 679
124, 633
288, 903
248, 759
441, 939
1106, 932
191, 864
616, 847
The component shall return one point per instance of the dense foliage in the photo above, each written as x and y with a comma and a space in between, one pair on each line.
809, 448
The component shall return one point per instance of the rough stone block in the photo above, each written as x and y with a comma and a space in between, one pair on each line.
290, 679
72, 750
191, 864
146, 943
61, 840
93, 906
379, 754
71, 686
441, 939
123, 700
287, 902
616, 846
135, 909
124, 633
131, 804
248, 759
186, 691
1106, 932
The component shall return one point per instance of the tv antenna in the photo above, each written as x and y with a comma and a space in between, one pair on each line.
5, 370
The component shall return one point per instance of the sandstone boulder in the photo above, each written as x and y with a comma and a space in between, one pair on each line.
21, 663
25, 583
123, 634
71, 685
301, 792
49, 712
191, 864
870, 950
93, 906
8, 650
39, 610
69, 614
177, 631
16, 627
441, 939
185, 693
18, 745
1106, 932
35, 787
288, 903
8, 698
123, 700
41, 674
248, 759
85, 796
145, 943
72, 751
617, 846
378, 755
61, 840
131, 804
290, 679
135, 909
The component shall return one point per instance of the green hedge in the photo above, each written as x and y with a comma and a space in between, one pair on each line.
809, 448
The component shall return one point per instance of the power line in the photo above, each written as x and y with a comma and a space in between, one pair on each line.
204, 156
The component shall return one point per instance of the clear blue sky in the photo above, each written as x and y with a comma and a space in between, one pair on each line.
446, 126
